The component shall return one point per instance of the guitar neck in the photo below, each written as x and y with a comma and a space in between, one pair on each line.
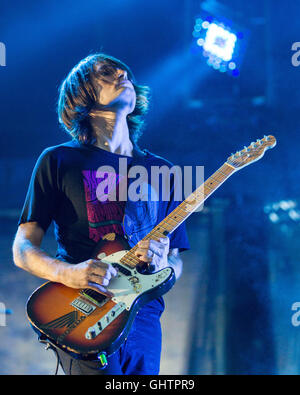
183, 210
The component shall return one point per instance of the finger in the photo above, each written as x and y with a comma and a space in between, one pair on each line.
99, 288
144, 243
100, 272
165, 244
98, 279
164, 240
147, 254
158, 249
103, 268
113, 271
154, 245
155, 248
144, 255
106, 276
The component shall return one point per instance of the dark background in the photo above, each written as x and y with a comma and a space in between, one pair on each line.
239, 321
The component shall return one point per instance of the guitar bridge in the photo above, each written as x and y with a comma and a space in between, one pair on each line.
83, 306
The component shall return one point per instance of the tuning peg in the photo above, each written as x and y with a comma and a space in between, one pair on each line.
246, 148
266, 138
253, 145
259, 142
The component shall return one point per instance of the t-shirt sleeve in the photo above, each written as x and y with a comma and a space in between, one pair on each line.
41, 196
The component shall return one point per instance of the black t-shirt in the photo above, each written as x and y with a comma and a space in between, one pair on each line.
69, 186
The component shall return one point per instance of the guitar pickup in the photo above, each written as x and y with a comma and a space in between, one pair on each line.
95, 297
122, 269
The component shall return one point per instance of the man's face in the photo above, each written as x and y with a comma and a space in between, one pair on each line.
114, 90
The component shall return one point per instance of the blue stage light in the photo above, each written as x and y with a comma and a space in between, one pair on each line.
219, 43
200, 42
283, 211
231, 65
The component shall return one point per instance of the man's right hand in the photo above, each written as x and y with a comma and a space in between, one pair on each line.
92, 273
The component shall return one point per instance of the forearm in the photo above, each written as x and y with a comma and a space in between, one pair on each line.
28, 255
37, 262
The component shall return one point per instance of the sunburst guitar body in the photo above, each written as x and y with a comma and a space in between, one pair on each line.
86, 323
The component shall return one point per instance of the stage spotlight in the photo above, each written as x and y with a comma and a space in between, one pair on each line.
219, 43
283, 211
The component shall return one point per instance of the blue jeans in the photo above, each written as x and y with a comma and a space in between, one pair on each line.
138, 355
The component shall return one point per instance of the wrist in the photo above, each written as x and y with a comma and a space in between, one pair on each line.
62, 271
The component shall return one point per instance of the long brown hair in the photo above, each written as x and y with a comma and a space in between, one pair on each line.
77, 96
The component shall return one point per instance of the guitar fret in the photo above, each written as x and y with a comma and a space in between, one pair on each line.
127, 260
177, 214
182, 212
130, 259
213, 178
220, 171
170, 219
226, 170
209, 187
211, 182
161, 226
129, 263
216, 179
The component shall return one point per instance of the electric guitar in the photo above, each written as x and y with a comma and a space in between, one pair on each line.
90, 325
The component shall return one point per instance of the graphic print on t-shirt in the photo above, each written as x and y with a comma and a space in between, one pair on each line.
104, 215
141, 216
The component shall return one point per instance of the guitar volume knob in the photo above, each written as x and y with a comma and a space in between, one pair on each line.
91, 333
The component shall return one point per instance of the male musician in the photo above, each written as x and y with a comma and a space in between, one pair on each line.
102, 107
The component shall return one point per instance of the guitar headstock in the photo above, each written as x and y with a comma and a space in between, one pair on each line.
252, 153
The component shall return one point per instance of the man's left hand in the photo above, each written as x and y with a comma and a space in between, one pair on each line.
154, 253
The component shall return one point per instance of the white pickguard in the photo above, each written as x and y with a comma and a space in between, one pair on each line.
127, 288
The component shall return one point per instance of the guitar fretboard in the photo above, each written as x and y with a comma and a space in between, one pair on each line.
182, 211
